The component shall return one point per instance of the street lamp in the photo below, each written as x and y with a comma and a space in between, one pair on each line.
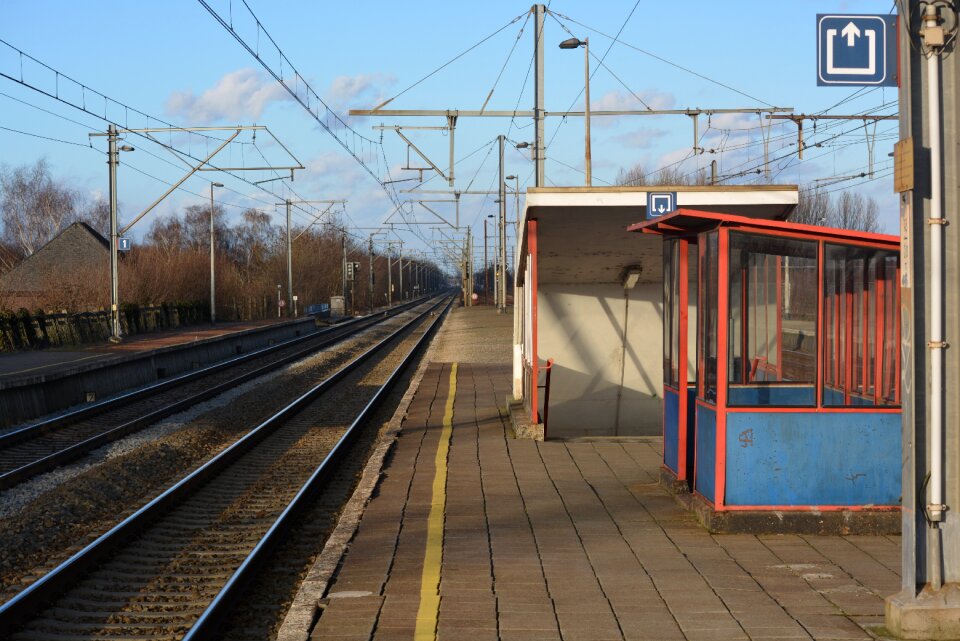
213, 286
573, 43
516, 193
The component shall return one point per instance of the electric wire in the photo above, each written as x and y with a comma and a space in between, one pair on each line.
662, 59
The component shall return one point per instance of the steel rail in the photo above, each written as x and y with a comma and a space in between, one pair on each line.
29, 601
219, 609
51, 461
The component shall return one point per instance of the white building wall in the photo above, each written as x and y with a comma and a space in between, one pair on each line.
606, 382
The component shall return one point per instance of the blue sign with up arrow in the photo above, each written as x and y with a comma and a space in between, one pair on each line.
661, 203
857, 50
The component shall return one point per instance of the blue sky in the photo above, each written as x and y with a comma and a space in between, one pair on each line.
172, 60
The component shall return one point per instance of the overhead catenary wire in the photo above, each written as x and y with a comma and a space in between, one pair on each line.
616, 39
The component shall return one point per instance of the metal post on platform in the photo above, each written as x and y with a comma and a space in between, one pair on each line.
928, 605
213, 282
113, 159
502, 281
486, 265
538, 101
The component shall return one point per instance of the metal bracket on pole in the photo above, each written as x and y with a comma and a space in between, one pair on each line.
174, 186
411, 145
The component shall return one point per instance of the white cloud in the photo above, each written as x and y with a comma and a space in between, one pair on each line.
359, 91
641, 138
240, 95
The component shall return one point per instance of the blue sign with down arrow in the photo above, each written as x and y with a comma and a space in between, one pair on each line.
661, 203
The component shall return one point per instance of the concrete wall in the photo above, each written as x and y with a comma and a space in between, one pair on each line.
598, 388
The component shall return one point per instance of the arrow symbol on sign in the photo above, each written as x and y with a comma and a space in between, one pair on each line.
662, 209
871, 35
851, 32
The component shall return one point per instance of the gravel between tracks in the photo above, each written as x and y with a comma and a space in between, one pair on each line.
157, 585
47, 519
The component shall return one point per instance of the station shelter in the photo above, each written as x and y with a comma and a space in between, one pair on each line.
587, 301
782, 388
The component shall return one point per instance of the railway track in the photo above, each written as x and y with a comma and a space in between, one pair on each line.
174, 568
43, 446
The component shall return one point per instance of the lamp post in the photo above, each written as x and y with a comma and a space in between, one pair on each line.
573, 43
516, 195
213, 286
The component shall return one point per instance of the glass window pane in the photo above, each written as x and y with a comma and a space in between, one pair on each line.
708, 313
668, 246
671, 312
862, 285
773, 321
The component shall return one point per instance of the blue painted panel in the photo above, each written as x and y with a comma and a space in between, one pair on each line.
771, 395
834, 398
810, 458
671, 428
705, 476
691, 427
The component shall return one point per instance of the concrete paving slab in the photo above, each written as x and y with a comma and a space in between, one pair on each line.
575, 540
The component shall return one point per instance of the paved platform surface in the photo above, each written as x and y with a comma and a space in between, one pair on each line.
474, 535
31, 362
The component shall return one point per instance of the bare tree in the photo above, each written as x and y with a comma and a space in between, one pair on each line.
34, 208
855, 211
96, 213
813, 207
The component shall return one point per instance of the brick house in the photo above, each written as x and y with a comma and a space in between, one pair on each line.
71, 271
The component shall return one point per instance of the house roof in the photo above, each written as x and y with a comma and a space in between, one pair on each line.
77, 246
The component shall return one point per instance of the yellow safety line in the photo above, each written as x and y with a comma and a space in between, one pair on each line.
429, 608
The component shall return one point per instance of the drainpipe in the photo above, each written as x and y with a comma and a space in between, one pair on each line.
933, 39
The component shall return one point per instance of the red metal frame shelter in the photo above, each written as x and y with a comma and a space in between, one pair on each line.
795, 402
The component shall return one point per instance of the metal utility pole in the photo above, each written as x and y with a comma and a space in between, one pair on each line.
289, 206
928, 606
370, 276
486, 267
401, 272
469, 264
343, 269
538, 109
113, 159
213, 282
502, 292
389, 277
289, 260
586, 108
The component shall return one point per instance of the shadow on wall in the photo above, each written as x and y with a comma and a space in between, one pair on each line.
606, 381
595, 414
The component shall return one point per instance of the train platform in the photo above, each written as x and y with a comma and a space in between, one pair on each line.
470, 534
30, 363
